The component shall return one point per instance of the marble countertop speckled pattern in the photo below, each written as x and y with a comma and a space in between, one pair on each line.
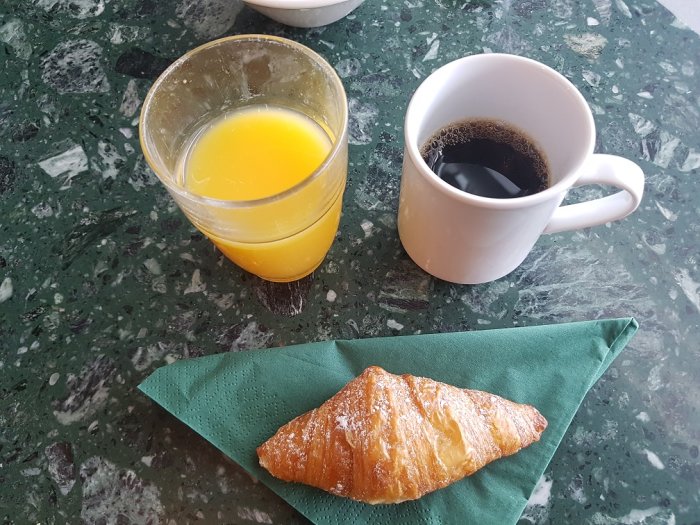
102, 279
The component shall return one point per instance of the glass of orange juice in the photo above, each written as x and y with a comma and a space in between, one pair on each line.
249, 135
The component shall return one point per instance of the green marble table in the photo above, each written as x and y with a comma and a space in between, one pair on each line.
102, 279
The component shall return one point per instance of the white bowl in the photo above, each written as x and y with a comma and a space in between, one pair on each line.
304, 13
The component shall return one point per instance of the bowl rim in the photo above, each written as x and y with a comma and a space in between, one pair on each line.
298, 4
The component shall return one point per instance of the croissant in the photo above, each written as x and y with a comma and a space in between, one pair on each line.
385, 438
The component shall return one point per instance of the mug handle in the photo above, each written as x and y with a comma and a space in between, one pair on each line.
602, 169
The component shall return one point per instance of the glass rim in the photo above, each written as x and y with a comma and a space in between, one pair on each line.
337, 142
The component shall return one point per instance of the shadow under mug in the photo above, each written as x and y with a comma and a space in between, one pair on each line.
469, 239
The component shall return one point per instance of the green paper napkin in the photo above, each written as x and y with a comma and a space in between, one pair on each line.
238, 400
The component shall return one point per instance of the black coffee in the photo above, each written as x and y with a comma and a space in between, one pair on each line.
488, 158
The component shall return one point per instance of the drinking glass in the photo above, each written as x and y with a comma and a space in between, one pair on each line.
282, 237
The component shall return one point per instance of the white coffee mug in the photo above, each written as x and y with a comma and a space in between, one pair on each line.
469, 239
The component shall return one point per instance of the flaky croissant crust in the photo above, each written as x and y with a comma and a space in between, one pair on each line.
385, 438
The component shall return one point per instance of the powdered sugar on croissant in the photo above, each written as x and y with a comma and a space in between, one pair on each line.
386, 438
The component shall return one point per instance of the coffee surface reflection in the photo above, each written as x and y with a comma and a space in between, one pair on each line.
489, 158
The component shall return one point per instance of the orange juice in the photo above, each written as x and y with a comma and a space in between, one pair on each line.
255, 152
260, 152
